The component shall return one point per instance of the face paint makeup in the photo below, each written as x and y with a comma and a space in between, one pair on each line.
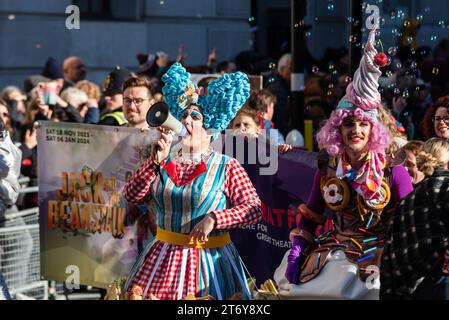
196, 115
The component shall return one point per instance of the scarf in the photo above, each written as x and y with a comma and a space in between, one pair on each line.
366, 181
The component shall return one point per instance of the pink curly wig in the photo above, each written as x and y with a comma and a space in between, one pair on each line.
329, 136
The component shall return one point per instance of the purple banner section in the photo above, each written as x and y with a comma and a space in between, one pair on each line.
263, 245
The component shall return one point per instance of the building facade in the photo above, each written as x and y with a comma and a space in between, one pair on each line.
112, 32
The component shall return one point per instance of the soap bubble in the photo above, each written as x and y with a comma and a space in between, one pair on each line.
392, 51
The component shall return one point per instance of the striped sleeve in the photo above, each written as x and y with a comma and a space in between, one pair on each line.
245, 203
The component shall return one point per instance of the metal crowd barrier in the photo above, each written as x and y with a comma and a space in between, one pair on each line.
20, 252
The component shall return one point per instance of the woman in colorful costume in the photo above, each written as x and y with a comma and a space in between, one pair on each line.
354, 182
192, 255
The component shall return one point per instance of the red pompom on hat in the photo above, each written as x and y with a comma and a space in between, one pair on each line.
381, 59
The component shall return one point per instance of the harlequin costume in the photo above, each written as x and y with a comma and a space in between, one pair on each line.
184, 191
338, 264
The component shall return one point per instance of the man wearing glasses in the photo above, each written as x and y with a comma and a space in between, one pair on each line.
137, 100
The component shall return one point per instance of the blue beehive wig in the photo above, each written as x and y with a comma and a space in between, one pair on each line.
226, 95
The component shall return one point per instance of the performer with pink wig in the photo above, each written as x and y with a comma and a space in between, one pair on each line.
354, 182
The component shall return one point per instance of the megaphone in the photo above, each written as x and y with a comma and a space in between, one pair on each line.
159, 116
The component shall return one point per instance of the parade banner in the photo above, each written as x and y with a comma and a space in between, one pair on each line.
86, 232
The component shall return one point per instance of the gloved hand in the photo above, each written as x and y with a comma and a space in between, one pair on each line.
296, 259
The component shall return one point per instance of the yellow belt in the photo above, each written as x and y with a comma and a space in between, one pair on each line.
184, 240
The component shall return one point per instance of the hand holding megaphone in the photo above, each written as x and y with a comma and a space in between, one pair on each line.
162, 146
158, 116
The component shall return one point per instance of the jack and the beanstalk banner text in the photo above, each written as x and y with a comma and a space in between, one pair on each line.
85, 229
85, 223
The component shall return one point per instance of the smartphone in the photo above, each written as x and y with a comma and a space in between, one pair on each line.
48, 92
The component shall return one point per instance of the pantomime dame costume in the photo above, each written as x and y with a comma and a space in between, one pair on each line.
185, 190
338, 264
